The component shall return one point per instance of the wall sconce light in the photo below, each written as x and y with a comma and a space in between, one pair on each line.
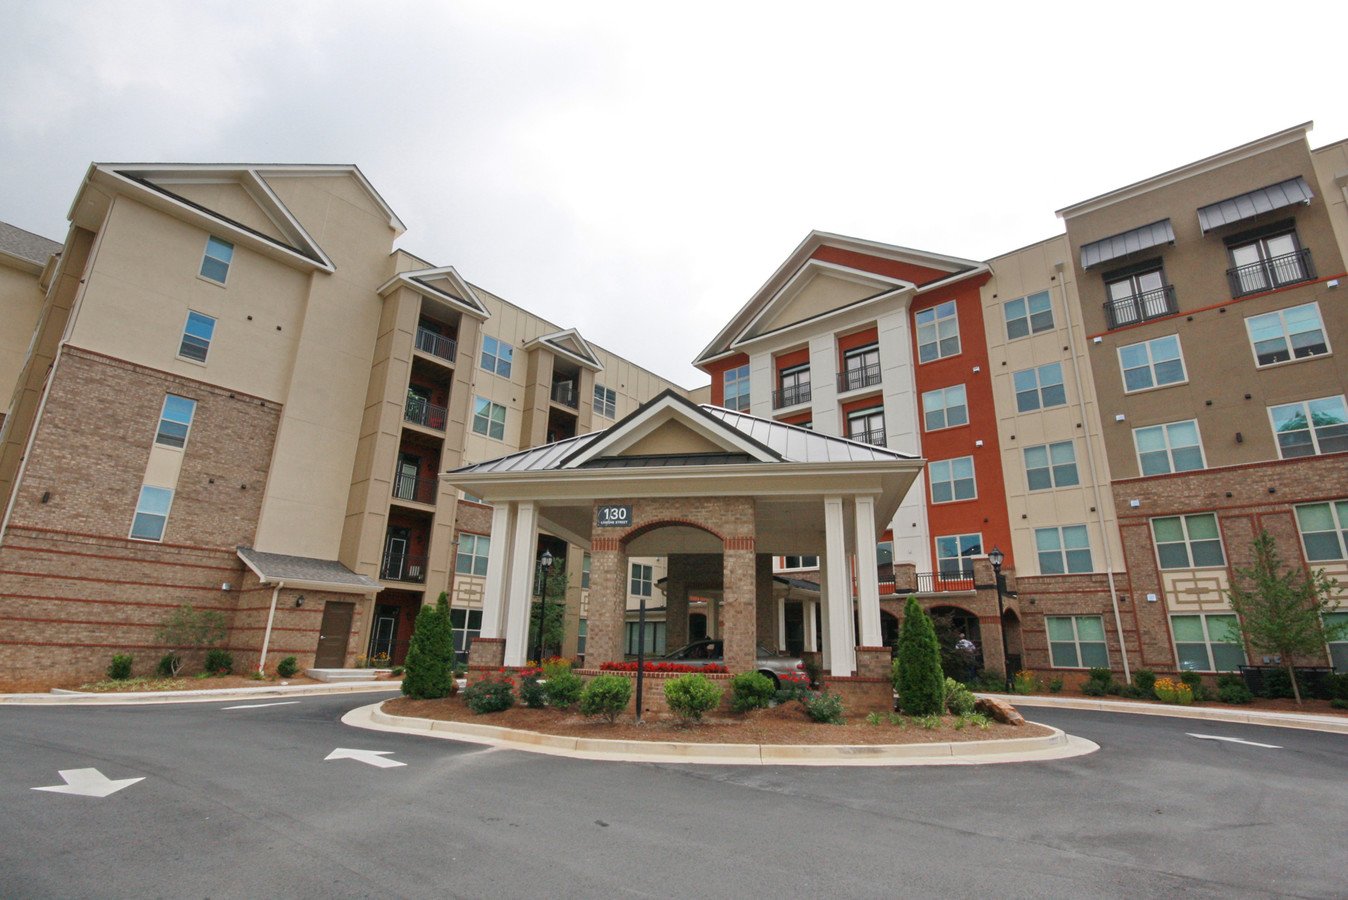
299, 601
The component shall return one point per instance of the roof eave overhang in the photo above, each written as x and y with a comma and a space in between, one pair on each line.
417, 280
552, 343
304, 584
22, 263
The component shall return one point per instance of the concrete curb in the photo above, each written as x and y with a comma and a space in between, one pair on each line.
81, 698
1055, 746
1307, 721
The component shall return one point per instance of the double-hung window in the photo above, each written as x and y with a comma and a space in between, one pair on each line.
1063, 549
1150, 364
1311, 427
938, 332
1188, 542
652, 639
1028, 315
585, 574
1077, 642
1039, 388
1201, 642
1262, 263
489, 418
1338, 650
861, 368
215, 262
605, 401
952, 479
1137, 294
867, 425
196, 339
497, 356
1174, 447
945, 408
473, 552
736, 383
1051, 466
175, 420
955, 555
1324, 530
152, 511
1296, 332
642, 580
466, 625
794, 386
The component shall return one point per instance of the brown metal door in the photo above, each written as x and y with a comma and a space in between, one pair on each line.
333, 635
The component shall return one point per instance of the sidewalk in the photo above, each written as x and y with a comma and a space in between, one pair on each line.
87, 698
1307, 721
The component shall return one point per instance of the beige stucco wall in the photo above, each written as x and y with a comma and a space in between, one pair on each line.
21, 299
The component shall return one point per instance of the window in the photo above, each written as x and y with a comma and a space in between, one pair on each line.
196, 342
1063, 549
867, 425
955, 553
496, 356
737, 388
175, 419
489, 418
1039, 388
215, 264
1077, 642
1168, 448
1267, 262
1287, 333
1051, 466
1028, 315
582, 628
473, 551
642, 576
1152, 364
884, 552
466, 624
1188, 542
794, 385
654, 643
605, 402
151, 513
1311, 427
1324, 530
945, 408
1200, 643
1338, 650
800, 562
952, 479
1137, 294
585, 574
861, 368
938, 332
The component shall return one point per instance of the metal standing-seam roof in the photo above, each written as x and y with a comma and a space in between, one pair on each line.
1132, 241
280, 567
1248, 205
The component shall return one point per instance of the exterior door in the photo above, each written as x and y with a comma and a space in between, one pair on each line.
405, 484
395, 553
333, 635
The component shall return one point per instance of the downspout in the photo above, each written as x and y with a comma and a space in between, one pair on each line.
266, 635
1090, 464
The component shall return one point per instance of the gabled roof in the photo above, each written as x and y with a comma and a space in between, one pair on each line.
29, 251
444, 284
306, 572
570, 344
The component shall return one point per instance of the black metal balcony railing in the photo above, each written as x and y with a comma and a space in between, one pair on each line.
410, 487
436, 344
791, 395
420, 411
402, 567
564, 392
1267, 274
859, 377
870, 436
1141, 307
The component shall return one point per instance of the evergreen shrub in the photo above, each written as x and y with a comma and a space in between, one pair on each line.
429, 669
287, 667
691, 695
921, 682
607, 696
751, 690
120, 668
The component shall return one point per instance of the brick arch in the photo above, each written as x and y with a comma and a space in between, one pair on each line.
647, 527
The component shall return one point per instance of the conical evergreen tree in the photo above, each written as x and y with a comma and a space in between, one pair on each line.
429, 671
921, 681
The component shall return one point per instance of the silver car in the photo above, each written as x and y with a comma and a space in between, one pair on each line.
708, 652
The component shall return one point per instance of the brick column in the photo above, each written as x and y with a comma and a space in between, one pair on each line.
738, 605
608, 603
485, 655
905, 578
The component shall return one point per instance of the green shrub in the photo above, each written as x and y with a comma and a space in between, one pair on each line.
813, 668
494, 693
168, 666
1055, 684
824, 708
921, 682
1195, 683
1145, 680
1101, 674
120, 668
1277, 685
287, 667
1093, 689
751, 690
1025, 683
1130, 691
958, 698
397, 671
1234, 693
990, 681
1339, 703
792, 687
691, 695
219, 662
930, 723
607, 696
1336, 686
533, 692
563, 689
429, 670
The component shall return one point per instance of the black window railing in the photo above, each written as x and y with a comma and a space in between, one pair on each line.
421, 411
1141, 307
1271, 273
403, 567
436, 344
564, 392
410, 487
854, 379
791, 395
869, 436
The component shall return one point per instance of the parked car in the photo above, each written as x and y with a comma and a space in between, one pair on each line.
708, 651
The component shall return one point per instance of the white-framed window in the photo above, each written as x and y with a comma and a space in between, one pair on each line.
473, 552
1264, 262
1174, 447
1310, 427
952, 479
955, 555
798, 562
861, 367
1201, 645
653, 645
938, 332
945, 408
794, 385
642, 580
1039, 388
1051, 466
582, 630
489, 418
736, 383
1077, 642
497, 356
1063, 549
867, 425
1151, 364
175, 420
1297, 332
1028, 315
196, 339
1338, 650
466, 625
605, 402
1324, 530
152, 511
585, 573
1188, 542
215, 262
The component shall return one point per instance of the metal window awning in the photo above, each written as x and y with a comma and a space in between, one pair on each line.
1102, 251
1247, 206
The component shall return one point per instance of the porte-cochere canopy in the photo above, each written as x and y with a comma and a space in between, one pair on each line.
694, 480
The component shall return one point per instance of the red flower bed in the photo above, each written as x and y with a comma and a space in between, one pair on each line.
677, 668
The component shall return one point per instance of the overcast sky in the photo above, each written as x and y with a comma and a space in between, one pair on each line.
636, 170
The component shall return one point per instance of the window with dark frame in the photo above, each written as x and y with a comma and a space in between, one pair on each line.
1138, 293
1266, 259
861, 368
794, 385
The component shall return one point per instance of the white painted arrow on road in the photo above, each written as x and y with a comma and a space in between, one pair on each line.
369, 757
88, 783
1231, 740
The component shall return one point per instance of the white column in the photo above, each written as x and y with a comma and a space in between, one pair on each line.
498, 573
781, 624
520, 599
826, 651
843, 649
811, 610
868, 576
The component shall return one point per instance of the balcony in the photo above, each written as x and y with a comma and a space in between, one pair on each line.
874, 436
926, 582
1269, 274
791, 396
436, 344
1141, 307
418, 490
402, 567
420, 411
564, 392
857, 378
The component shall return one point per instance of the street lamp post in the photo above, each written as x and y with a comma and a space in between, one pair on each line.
996, 557
545, 563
